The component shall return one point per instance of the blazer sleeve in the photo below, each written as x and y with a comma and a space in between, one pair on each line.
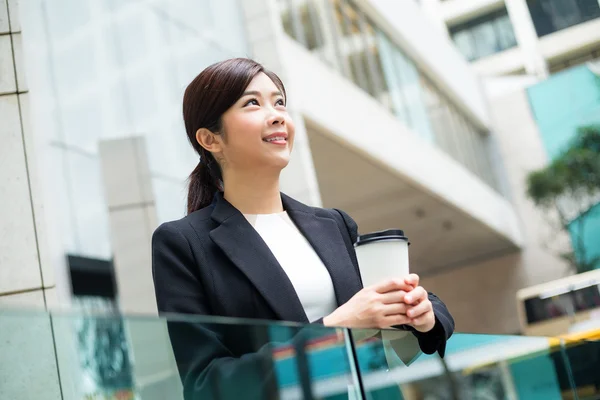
205, 362
432, 341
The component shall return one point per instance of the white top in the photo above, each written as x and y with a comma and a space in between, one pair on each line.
300, 262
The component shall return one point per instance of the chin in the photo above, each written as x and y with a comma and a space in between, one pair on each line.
283, 162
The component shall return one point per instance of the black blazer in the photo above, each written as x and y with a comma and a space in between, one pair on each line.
213, 262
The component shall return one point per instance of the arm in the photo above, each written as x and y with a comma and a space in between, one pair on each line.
435, 339
206, 364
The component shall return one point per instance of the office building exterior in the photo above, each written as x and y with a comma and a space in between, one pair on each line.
514, 37
391, 126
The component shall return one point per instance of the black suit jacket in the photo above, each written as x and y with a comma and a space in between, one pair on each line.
213, 262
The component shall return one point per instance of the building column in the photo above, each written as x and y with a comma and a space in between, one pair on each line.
26, 273
265, 31
132, 217
527, 38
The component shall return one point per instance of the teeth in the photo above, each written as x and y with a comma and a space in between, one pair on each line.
274, 139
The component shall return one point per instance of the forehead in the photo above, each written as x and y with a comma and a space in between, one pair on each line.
262, 82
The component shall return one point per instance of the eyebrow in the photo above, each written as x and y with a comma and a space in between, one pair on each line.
257, 93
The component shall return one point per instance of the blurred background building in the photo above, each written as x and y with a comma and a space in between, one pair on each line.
512, 37
420, 115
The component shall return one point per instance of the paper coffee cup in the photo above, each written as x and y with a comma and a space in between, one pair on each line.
382, 256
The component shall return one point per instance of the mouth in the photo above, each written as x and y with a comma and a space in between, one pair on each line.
279, 138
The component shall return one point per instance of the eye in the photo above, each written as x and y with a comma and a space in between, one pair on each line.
252, 102
280, 102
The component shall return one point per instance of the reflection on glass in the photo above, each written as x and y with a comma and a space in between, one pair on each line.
103, 355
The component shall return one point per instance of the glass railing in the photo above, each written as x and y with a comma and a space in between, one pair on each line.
103, 356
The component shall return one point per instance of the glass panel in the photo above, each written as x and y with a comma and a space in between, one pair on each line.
353, 44
505, 33
104, 356
485, 39
484, 35
94, 353
465, 43
553, 15
474, 367
584, 358
391, 77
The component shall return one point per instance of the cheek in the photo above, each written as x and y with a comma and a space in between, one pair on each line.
291, 129
243, 129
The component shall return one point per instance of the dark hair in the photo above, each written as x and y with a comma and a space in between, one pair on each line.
206, 98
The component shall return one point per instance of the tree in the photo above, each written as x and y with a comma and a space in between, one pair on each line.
570, 189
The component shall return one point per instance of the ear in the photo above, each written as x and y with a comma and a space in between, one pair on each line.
209, 140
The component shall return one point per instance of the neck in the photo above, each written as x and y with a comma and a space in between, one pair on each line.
253, 193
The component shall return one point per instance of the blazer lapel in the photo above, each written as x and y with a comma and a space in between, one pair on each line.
326, 239
245, 248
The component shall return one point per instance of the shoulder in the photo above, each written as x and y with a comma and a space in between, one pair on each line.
197, 224
341, 217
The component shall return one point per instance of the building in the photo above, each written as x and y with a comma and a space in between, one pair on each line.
545, 50
392, 126
512, 37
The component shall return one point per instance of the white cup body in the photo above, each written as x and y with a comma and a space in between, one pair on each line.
382, 260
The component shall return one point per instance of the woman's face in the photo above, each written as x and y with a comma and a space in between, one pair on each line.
259, 132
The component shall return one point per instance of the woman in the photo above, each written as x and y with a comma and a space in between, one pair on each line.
246, 250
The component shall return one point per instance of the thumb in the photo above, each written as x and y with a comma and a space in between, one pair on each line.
412, 279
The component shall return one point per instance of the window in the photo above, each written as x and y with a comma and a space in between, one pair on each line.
366, 55
553, 15
484, 35
566, 304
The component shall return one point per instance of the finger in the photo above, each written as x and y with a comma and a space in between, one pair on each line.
420, 309
393, 309
396, 296
416, 295
412, 279
422, 320
397, 319
392, 285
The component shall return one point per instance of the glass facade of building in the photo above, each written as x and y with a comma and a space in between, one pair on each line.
485, 35
553, 15
115, 69
342, 36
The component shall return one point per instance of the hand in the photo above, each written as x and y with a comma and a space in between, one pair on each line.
419, 307
377, 306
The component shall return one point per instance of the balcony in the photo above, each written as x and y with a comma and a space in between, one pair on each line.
388, 145
101, 355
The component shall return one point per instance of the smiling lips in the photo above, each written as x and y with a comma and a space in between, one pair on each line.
279, 138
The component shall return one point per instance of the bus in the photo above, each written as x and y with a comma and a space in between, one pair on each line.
561, 307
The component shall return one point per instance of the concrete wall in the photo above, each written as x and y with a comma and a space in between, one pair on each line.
26, 276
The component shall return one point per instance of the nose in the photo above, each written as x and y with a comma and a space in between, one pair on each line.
276, 118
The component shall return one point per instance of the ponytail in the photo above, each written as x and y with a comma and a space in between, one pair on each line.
204, 182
